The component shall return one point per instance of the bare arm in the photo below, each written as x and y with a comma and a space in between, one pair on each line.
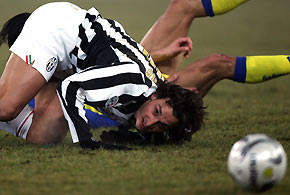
180, 45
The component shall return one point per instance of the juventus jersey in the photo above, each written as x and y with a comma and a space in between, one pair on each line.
114, 74
48, 37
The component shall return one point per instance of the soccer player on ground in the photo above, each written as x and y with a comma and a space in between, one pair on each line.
109, 71
202, 74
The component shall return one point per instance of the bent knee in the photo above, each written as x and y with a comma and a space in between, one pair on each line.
44, 138
187, 6
47, 128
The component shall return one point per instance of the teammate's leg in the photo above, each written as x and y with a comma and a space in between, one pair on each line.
41, 123
176, 21
49, 124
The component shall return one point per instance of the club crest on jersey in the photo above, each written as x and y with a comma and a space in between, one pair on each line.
112, 102
51, 64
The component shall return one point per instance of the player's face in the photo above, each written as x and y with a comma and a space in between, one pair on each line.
155, 115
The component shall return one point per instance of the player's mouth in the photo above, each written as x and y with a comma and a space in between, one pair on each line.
141, 126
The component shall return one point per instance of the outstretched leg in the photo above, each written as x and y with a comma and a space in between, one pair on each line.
175, 23
204, 73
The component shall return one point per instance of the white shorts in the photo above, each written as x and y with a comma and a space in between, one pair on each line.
47, 38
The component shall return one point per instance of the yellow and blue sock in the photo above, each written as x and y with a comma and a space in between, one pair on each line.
217, 7
255, 69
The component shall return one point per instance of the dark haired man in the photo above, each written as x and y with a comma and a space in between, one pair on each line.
202, 74
105, 69
171, 109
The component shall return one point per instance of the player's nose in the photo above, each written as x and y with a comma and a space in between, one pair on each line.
150, 121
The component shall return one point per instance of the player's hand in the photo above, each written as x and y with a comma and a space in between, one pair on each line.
180, 45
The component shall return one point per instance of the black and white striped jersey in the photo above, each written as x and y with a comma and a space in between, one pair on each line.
114, 74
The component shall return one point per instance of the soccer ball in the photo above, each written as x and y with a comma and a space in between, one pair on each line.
257, 162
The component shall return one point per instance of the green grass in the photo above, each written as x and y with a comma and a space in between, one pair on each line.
199, 167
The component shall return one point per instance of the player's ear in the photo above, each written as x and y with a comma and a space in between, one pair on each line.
153, 96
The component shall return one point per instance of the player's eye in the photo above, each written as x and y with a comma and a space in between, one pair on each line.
156, 111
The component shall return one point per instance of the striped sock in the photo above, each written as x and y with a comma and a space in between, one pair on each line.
255, 69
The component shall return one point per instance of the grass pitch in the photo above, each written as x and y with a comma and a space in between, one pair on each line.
259, 27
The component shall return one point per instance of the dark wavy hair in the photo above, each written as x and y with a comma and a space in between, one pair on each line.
187, 108
12, 28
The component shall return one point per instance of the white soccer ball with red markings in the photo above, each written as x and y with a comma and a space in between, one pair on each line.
257, 162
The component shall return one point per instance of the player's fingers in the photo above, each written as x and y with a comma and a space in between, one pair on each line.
186, 51
186, 45
185, 41
189, 42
